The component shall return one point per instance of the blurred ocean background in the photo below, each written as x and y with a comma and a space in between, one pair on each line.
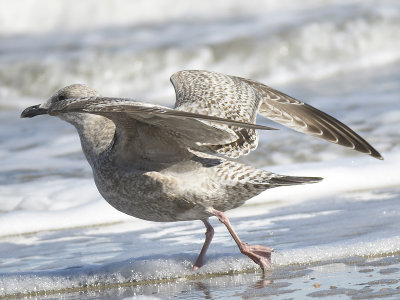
60, 239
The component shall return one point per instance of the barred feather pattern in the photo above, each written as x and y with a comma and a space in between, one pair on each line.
243, 182
246, 142
220, 95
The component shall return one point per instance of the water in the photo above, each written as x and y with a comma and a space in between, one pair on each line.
338, 238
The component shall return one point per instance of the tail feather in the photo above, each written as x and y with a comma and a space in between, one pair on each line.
282, 180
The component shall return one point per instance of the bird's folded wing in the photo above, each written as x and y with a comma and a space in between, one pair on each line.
304, 118
186, 126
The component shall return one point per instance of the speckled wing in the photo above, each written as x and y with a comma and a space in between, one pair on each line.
188, 128
304, 118
240, 99
224, 96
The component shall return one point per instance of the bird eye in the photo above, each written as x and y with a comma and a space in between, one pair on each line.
61, 97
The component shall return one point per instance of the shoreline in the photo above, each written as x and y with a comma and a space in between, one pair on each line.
360, 278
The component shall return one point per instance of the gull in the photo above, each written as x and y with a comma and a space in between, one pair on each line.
173, 164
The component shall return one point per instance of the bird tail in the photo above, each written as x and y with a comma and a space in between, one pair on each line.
282, 180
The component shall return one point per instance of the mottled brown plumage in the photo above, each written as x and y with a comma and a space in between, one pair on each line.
162, 164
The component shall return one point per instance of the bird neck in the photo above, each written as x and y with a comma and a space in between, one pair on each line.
96, 133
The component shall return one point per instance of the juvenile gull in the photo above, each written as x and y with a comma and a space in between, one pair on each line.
167, 165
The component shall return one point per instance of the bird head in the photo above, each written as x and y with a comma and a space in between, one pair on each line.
69, 92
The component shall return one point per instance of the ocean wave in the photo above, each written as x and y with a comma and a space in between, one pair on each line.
137, 59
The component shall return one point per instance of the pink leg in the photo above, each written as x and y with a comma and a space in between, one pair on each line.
209, 236
261, 255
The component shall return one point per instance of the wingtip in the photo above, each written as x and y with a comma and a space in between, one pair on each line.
266, 127
375, 154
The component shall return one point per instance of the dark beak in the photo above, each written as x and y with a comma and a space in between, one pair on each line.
32, 111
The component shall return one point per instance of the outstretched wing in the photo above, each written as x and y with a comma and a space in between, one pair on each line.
304, 118
186, 127
223, 96
240, 99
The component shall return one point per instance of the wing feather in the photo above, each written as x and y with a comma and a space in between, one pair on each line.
240, 99
189, 128
219, 95
305, 118
219, 111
